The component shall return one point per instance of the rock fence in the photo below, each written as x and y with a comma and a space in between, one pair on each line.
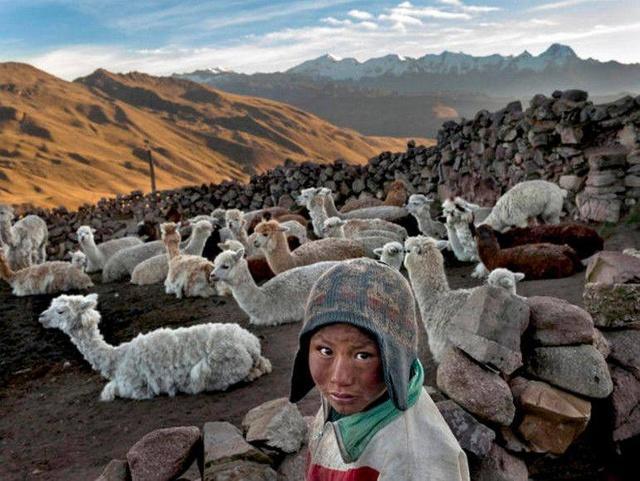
591, 150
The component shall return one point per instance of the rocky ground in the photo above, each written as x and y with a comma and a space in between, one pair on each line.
52, 426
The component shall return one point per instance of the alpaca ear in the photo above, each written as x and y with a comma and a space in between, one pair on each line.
239, 254
282, 228
378, 251
89, 301
222, 245
518, 276
442, 244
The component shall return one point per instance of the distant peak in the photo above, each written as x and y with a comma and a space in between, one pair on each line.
330, 56
558, 50
219, 70
525, 54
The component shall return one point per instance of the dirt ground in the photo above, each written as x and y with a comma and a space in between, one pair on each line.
53, 427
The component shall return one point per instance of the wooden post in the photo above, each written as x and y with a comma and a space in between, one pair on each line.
152, 172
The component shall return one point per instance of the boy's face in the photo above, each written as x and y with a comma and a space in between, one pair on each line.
346, 367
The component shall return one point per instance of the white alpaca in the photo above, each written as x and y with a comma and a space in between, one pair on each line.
280, 300
334, 227
98, 255
155, 269
525, 200
630, 251
419, 206
122, 263
28, 244
437, 302
314, 200
505, 279
392, 254
205, 357
79, 261
458, 226
46, 278
384, 212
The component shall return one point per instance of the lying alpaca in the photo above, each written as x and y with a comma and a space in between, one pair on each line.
155, 269
525, 200
98, 255
420, 207
205, 357
437, 302
390, 213
334, 228
535, 261
392, 254
46, 278
272, 240
32, 235
79, 261
278, 301
188, 275
397, 195
505, 279
122, 263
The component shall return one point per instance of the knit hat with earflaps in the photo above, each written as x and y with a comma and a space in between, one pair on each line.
374, 297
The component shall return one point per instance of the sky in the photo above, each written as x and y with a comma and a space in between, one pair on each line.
72, 38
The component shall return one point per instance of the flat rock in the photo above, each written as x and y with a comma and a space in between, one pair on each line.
598, 209
625, 401
613, 305
116, 470
498, 465
489, 327
164, 454
556, 322
624, 346
276, 423
223, 444
579, 369
478, 390
610, 267
552, 418
472, 435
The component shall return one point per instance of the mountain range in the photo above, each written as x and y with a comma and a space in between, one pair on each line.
67, 143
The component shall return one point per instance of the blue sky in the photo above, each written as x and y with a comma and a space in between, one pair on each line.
70, 38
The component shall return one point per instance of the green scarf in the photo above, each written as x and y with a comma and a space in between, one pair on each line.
354, 431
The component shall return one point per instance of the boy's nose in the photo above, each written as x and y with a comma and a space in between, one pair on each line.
342, 372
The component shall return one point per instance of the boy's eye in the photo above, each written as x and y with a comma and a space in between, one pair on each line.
325, 351
363, 355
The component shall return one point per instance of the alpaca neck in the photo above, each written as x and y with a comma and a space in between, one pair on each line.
279, 258
318, 215
196, 243
330, 207
423, 216
95, 349
92, 252
245, 290
428, 280
6, 232
465, 237
242, 237
173, 247
5, 271
488, 250
454, 241
340, 232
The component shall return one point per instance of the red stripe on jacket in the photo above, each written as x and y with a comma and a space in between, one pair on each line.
320, 473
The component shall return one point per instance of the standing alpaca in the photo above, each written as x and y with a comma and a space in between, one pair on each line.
278, 301
272, 240
397, 195
420, 207
505, 279
392, 254
188, 275
46, 278
98, 255
437, 302
535, 261
29, 241
334, 228
155, 269
459, 226
205, 357
525, 200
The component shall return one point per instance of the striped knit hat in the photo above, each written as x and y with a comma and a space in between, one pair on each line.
371, 296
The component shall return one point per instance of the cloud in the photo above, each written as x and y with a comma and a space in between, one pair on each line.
360, 15
557, 5
335, 22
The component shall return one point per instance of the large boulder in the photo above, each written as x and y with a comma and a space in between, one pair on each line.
552, 419
473, 436
478, 390
498, 465
276, 423
164, 454
579, 369
624, 349
489, 327
612, 306
556, 322
626, 404
609, 267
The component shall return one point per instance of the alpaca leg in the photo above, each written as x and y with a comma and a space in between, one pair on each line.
109, 392
263, 366
480, 271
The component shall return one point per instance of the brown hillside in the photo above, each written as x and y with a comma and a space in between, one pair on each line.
66, 143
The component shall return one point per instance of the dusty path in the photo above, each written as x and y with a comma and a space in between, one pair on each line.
52, 426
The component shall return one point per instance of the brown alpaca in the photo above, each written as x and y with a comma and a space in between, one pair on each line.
535, 261
584, 240
272, 240
254, 217
397, 196
46, 278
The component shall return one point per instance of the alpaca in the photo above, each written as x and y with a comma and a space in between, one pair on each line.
392, 254
525, 200
188, 275
313, 200
122, 263
98, 255
32, 234
630, 251
258, 265
334, 228
278, 301
384, 212
420, 207
459, 226
535, 261
272, 240
254, 217
218, 215
437, 302
46, 278
204, 357
505, 279
79, 261
397, 195
155, 269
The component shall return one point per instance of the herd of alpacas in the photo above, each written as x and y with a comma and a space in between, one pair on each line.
268, 260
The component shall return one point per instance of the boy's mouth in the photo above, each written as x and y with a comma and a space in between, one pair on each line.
341, 397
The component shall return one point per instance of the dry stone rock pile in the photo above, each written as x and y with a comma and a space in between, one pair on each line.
520, 375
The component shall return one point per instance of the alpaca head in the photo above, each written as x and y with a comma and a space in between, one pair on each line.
218, 215
21, 248
70, 313
306, 195
392, 254
485, 235
85, 234
203, 228
225, 264
267, 234
234, 220
6, 213
456, 213
230, 245
331, 227
420, 249
169, 229
505, 279
79, 260
418, 202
